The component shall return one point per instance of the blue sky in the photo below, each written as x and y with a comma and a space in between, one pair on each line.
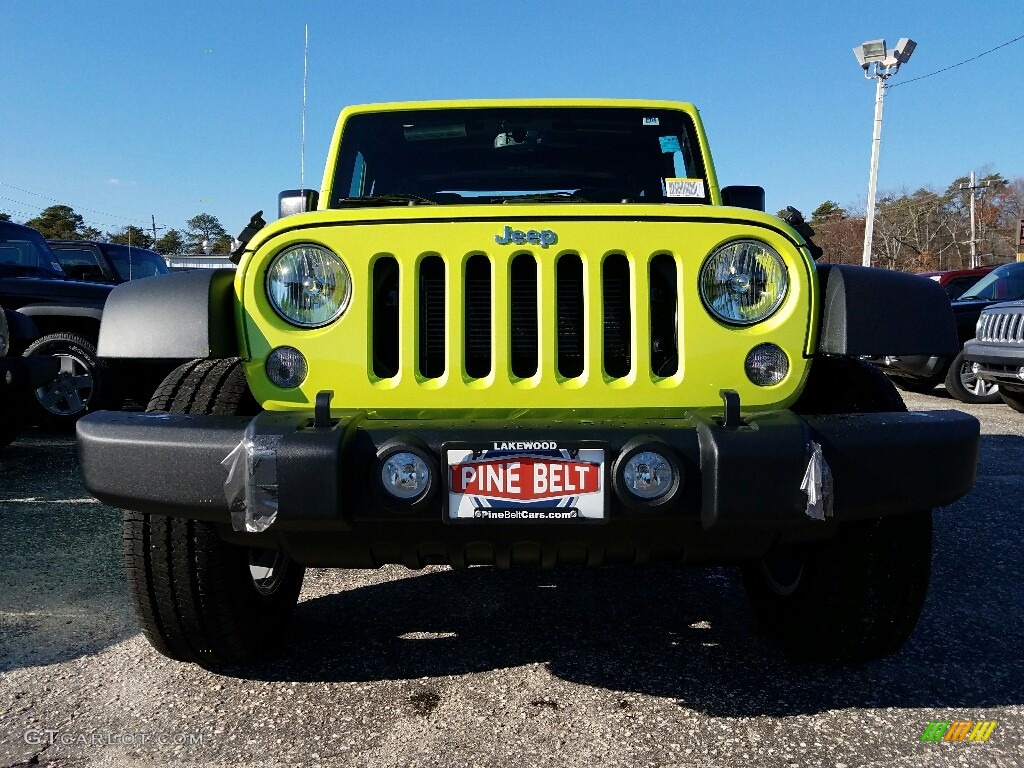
127, 109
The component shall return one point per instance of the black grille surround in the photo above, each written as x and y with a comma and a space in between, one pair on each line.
476, 286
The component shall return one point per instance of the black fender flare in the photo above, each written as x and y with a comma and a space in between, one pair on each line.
876, 312
21, 330
181, 316
61, 310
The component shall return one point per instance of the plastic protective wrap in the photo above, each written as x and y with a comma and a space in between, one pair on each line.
251, 487
817, 484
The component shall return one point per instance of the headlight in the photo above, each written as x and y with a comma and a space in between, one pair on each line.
308, 285
743, 282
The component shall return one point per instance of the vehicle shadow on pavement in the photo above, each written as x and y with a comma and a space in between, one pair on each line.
63, 591
685, 634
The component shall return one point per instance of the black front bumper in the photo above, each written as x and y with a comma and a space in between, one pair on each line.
740, 492
1000, 363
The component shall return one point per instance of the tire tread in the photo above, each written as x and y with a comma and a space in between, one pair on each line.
191, 591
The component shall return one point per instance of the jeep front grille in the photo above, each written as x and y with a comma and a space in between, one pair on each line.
1003, 327
601, 334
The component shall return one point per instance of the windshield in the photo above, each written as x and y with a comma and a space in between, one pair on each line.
519, 154
1003, 284
133, 263
23, 251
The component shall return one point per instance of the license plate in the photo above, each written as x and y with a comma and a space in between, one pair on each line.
530, 482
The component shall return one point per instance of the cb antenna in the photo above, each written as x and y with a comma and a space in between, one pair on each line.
302, 159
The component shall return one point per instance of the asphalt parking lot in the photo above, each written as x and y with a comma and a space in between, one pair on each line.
478, 668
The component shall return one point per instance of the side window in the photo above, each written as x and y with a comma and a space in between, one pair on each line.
681, 172
358, 176
679, 166
686, 164
79, 263
955, 288
76, 257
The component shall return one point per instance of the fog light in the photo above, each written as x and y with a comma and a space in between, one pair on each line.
405, 475
648, 475
286, 367
766, 364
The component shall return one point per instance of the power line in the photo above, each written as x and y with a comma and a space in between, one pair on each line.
64, 202
36, 209
954, 66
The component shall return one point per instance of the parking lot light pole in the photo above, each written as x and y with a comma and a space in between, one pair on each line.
879, 64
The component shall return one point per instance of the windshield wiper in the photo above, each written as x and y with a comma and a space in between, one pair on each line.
585, 195
972, 297
395, 198
25, 269
544, 197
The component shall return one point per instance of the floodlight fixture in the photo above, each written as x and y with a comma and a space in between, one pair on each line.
870, 52
903, 50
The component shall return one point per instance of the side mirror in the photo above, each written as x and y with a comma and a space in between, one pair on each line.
296, 201
744, 197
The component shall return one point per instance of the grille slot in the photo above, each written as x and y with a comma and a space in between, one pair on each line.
491, 325
615, 292
432, 317
385, 317
477, 322
569, 300
1004, 327
664, 313
523, 310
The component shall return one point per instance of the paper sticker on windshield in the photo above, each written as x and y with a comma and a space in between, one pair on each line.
669, 144
651, 121
684, 187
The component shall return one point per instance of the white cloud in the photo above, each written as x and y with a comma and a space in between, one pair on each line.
122, 183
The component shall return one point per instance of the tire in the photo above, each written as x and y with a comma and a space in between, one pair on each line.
857, 595
84, 383
847, 385
1013, 398
853, 598
198, 598
962, 384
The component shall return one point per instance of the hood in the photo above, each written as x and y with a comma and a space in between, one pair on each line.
498, 215
62, 290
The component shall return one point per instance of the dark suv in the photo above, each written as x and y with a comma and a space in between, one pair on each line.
67, 314
19, 376
997, 353
921, 373
107, 262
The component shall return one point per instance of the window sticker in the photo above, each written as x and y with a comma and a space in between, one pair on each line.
669, 144
651, 121
684, 187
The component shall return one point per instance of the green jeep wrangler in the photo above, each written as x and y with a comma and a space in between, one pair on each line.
526, 333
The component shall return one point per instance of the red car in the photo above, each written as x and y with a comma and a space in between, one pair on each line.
956, 281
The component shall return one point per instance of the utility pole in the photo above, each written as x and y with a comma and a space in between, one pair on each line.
974, 239
155, 228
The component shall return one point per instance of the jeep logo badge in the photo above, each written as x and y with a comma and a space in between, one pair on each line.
542, 237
